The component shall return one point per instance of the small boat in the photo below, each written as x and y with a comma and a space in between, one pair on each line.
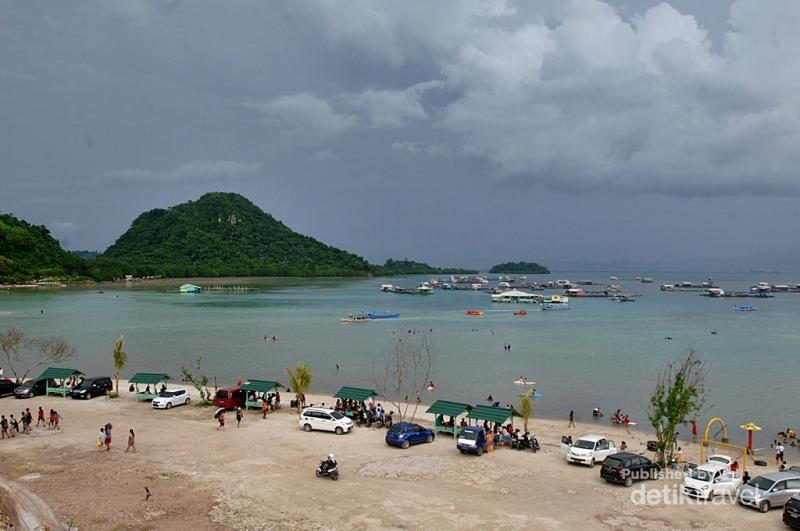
613, 278
553, 306
383, 315
355, 319
190, 288
745, 308
521, 313
475, 313
524, 381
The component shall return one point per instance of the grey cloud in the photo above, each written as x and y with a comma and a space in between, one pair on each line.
195, 171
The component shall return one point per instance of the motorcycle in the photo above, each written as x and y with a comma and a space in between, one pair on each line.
324, 471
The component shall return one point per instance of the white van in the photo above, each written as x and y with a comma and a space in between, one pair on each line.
320, 418
588, 450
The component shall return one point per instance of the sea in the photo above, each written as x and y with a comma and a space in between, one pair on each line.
600, 353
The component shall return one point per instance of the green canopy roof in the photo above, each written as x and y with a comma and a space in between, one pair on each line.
59, 374
451, 409
149, 378
259, 386
498, 415
355, 393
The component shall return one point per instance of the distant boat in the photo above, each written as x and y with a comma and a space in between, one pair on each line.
555, 302
355, 319
745, 308
521, 313
613, 278
383, 315
474, 312
190, 288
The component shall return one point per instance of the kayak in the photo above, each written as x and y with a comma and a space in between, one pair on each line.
521, 313
523, 381
474, 313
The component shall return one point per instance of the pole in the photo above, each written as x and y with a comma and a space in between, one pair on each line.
750, 441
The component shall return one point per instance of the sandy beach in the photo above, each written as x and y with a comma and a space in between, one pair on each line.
261, 476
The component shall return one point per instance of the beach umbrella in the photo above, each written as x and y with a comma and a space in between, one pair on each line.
219, 412
750, 427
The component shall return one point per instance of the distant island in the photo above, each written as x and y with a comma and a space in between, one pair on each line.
409, 267
517, 268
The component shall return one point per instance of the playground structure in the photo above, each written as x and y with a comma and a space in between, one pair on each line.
737, 453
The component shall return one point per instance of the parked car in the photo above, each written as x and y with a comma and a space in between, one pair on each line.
791, 512
171, 397
404, 434
471, 440
33, 387
711, 479
320, 418
770, 490
625, 468
230, 397
588, 450
94, 386
7, 386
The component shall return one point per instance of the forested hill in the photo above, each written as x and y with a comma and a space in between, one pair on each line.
409, 267
520, 268
29, 252
220, 234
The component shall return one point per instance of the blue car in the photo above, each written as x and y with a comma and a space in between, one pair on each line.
404, 434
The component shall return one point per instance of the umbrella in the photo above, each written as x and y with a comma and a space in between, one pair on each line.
219, 412
750, 427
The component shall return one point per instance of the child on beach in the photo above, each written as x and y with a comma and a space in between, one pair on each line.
239, 416
101, 439
131, 441
221, 420
40, 420
108, 436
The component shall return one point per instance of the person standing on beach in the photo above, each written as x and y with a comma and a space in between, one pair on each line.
108, 436
221, 420
40, 419
694, 431
264, 406
101, 439
131, 441
239, 416
4, 427
779, 453
571, 419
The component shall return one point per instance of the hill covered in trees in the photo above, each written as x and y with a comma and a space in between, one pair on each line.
30, 252
220, 234
409, 267
518, 268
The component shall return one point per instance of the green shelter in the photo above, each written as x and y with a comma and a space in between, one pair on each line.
359, 394
496, 415
148, 379
60, 375
440, 408
257, 386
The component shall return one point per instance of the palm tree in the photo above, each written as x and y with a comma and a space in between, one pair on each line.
120, 359
525, 409
300, 381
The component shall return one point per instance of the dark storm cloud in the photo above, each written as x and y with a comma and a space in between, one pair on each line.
330, 113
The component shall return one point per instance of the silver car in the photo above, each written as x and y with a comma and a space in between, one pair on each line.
769, 490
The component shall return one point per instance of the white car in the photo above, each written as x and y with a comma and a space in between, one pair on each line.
588, 450
320, 418
711, 479
171, 397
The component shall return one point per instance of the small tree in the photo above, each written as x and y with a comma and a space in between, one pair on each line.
21, 351
193, 375
678, 397
526, 408
300, 381
406, 371
120, 359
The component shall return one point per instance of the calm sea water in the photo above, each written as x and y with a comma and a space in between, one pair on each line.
598, 353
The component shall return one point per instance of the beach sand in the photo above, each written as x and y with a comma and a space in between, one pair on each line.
261, 476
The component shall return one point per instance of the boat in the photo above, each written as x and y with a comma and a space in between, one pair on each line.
521, 313
613, 278
424, 289
360, 318
515, 295
647, 280
383, 315
555, 302
476, 313
524, 381
387, 287
190, 288
745, 308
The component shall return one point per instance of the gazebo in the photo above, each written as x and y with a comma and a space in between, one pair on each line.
60, 375
358, 394
257, 386
496, 415
440, 408
148, 379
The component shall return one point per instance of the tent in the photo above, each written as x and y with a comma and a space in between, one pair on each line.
257, 386
60, 375
148, 379
442, 408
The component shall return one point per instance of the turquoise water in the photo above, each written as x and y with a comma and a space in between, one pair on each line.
598, 353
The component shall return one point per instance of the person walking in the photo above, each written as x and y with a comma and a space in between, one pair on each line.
571, 419
264, 407
239, 416
101, 439
221, 420
131, 441
40, 418
694, 431
108, 427
57, 420
779, 449
4, 427
14, 426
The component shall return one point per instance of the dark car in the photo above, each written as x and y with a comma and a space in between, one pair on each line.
94, 386
7, 387
404, 434
230, 397
471, 440
33, 387
625, 468
791, 512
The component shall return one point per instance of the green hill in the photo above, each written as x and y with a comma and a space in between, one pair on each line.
409, 267
28, 252
518, 268
220, 234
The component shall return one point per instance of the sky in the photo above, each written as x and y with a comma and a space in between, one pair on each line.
460, 133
